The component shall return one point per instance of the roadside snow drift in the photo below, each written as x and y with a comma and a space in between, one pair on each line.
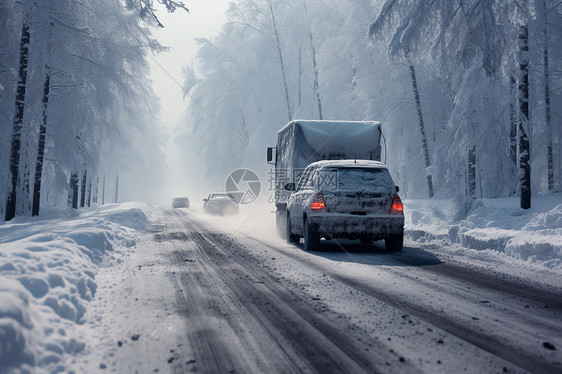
47, 276
533, 235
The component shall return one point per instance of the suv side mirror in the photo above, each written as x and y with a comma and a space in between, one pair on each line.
205, 200
270, 155
397, 189
290, 186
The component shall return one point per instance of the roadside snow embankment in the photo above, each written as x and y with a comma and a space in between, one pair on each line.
533, 235
47, 278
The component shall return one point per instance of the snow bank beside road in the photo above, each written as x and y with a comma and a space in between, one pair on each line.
533, 235
47, 268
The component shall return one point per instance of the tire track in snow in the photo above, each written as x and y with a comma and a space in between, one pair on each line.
293, 334
482, 339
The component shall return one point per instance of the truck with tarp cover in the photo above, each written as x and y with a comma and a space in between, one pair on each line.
302, 142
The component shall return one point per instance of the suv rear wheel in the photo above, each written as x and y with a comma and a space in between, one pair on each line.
291, 238
394, 242
311, 238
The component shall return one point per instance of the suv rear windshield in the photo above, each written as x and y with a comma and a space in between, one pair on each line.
356, 179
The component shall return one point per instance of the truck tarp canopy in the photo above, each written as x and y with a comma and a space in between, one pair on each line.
302, 142
340, 139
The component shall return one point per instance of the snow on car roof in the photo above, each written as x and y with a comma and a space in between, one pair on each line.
349, 164
220, 195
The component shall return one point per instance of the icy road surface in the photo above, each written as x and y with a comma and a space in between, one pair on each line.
199, 296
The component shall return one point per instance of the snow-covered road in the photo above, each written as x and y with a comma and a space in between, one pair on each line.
197, 295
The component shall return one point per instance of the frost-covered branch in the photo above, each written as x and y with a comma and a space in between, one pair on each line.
146, 8
237, 12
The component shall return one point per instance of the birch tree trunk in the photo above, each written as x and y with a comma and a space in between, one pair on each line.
42, 133
422, 127
524, 144
41, 149
96, 187
299, 88
83, 190
315, 69
472, 172
103, 191
23, 204
73, 191
513, 130
18, 118
316, 89
550, 161
116, 196
281, 63
89, 193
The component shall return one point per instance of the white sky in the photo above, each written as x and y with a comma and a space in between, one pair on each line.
180, 28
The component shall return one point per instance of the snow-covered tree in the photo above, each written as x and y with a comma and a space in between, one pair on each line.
87, 97
366, 61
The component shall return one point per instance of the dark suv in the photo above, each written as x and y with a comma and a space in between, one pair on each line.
220, 204
345, 199
180, 202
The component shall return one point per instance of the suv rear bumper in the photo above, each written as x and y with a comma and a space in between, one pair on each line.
353, 226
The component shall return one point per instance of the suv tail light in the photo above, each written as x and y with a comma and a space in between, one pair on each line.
318, 203
397, 206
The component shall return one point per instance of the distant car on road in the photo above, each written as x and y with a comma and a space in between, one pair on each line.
220, 204
345, 199
180, 202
